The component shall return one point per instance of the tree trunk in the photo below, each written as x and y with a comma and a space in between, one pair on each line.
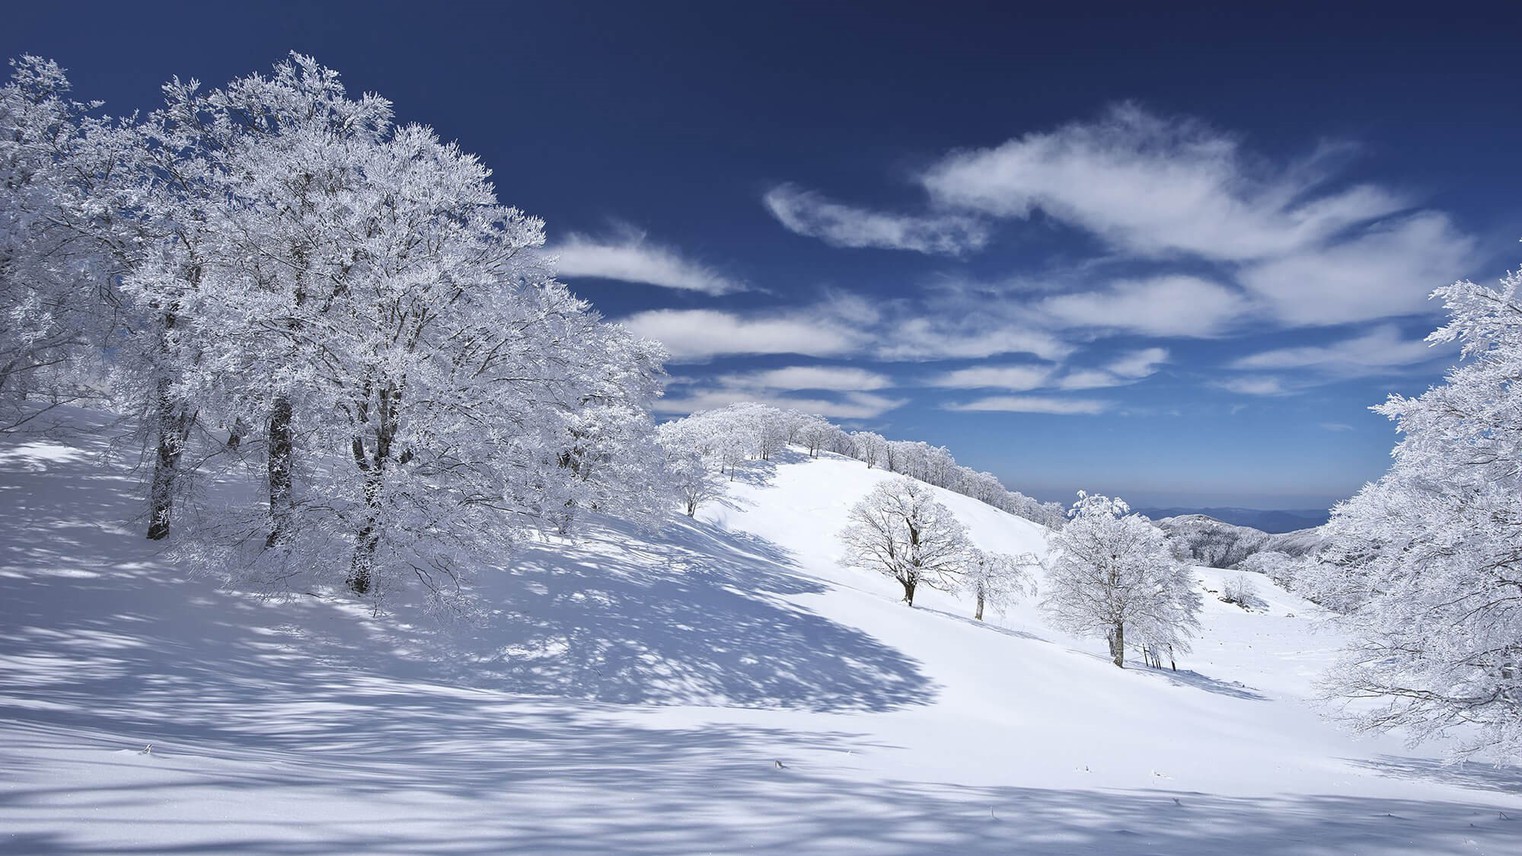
909, 585
279, 470
1118, 644
978, 615
362, 567
373, 465
236, 434
173, 433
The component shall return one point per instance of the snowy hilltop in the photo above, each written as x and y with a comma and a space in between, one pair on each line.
724, 685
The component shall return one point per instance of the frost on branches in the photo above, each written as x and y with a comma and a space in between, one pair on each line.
1112, 574
297, 282
1427, 561
899, 530
998, 580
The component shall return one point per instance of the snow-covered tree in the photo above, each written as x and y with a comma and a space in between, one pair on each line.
354, 290
691, 467
1110, 573
901, 531
46, 272
1282, 568
869, 448
1427, 561
998, 580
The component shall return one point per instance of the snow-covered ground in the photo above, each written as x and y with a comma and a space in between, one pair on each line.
725, 686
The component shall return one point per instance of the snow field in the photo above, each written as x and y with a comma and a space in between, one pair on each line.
722, 687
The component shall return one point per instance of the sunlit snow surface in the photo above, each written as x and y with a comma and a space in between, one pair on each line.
723, 687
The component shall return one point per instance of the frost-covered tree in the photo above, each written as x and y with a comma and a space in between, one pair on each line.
50, 313
998, 580
901, 531
1282, 568
868, 447
691, 465
815, 433
1427, 561
425, 390
1110, 573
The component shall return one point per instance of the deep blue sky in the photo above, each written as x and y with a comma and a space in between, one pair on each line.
1161, 250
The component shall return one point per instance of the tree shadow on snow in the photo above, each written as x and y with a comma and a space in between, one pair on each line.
1190, 678
523, 778
309, 728
700, 617
1503, 778
100, 631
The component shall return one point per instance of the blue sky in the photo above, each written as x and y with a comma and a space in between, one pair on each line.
1168, 251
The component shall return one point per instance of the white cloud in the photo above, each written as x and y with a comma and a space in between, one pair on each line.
1155, 186
1012, 378
1336, 426
1389, 270
1255, 386
1381, 349
958, 335
849, 406
1161, 306
1032, 404
1125, 369
807, 213
631, 258
699, 334
1138, 364
835, 378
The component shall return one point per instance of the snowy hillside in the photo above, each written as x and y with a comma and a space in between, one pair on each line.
723, 686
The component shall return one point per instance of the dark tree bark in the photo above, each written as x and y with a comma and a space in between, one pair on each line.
1117, 639
279, 470
173, 422
372, 462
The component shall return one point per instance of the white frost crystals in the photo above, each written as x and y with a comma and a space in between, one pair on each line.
901, 531
343, 302
1112, 574
1427, 562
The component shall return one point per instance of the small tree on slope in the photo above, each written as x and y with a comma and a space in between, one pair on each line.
997, 579
1429, 558
1110, 571
899, 530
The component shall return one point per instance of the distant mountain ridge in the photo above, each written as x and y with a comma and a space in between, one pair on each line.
1272, 522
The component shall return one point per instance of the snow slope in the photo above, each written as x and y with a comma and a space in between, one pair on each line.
722, 687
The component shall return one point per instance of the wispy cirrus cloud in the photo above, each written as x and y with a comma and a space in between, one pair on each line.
1253, 240
628, 256
1259, 385
1157, 186
846, 325
1031, 404
1019, 378
847, 392
1182, 306
1125, 369
808, 213
1386, 270
1381, 349
702, 334
852, 406
837, 378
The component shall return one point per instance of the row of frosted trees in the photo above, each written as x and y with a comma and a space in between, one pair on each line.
275, 275
705, 448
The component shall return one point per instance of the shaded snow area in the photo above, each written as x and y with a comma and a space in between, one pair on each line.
724, 686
